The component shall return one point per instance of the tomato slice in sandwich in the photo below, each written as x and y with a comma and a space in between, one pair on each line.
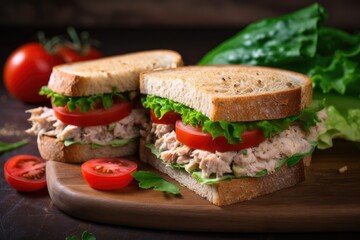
167, 118
99, 116
108, 173
195, 138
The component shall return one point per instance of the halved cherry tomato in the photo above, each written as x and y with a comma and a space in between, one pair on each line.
108, 173
168, 118
195, 138
96, 117
70, 55
25, 173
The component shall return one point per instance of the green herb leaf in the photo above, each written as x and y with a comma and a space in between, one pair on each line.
148, 180
72, 238
85, 103
5, 147
85, 236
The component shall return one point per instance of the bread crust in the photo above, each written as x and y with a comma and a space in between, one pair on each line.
52, 149
93, 76
234, 191
232, 92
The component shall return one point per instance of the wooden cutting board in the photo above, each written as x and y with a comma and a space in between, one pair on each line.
326, 201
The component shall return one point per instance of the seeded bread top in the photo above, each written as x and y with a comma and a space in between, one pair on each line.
103, 75
232, 92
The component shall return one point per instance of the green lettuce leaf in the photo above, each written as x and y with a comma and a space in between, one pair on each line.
273, 41
113, 143
345, 125
232, 131
153, 149
85, 103
148, 180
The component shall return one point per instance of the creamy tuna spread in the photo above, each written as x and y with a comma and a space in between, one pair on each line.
247, 162
44, 122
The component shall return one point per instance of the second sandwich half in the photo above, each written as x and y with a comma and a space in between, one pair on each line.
230, 133
94, 107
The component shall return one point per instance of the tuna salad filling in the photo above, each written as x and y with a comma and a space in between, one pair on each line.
291, 144
118, 133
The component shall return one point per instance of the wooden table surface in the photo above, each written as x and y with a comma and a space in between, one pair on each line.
34, 216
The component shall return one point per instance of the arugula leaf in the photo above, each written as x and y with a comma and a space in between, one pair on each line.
4, 147
148, 180
232, 131
85, 103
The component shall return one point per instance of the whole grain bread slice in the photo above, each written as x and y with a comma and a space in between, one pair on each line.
119, 72
232, 92
233, 191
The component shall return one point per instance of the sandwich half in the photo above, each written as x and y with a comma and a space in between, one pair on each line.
95, 107
230, 133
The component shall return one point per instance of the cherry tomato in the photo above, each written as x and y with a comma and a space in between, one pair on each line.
108, 173
27, 69
168, 118
70, 55
96, 117
25, 173
195, 138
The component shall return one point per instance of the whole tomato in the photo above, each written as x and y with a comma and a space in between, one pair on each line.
27, 69
71, 55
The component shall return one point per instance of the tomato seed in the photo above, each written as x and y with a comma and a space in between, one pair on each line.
98, 167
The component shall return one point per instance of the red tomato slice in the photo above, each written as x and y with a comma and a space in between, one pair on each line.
25, 173
168, 118
96, 117
108, 173
195, 138
70, 55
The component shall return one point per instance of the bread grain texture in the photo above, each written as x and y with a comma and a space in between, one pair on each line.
234, 191
52, 149
103, 75
232, 92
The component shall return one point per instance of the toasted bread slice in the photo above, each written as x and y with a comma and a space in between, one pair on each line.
233, 191
233, 92
52, 149
103, 75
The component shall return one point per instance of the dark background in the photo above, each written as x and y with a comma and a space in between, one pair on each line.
148, 24
171, 13
190, 27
